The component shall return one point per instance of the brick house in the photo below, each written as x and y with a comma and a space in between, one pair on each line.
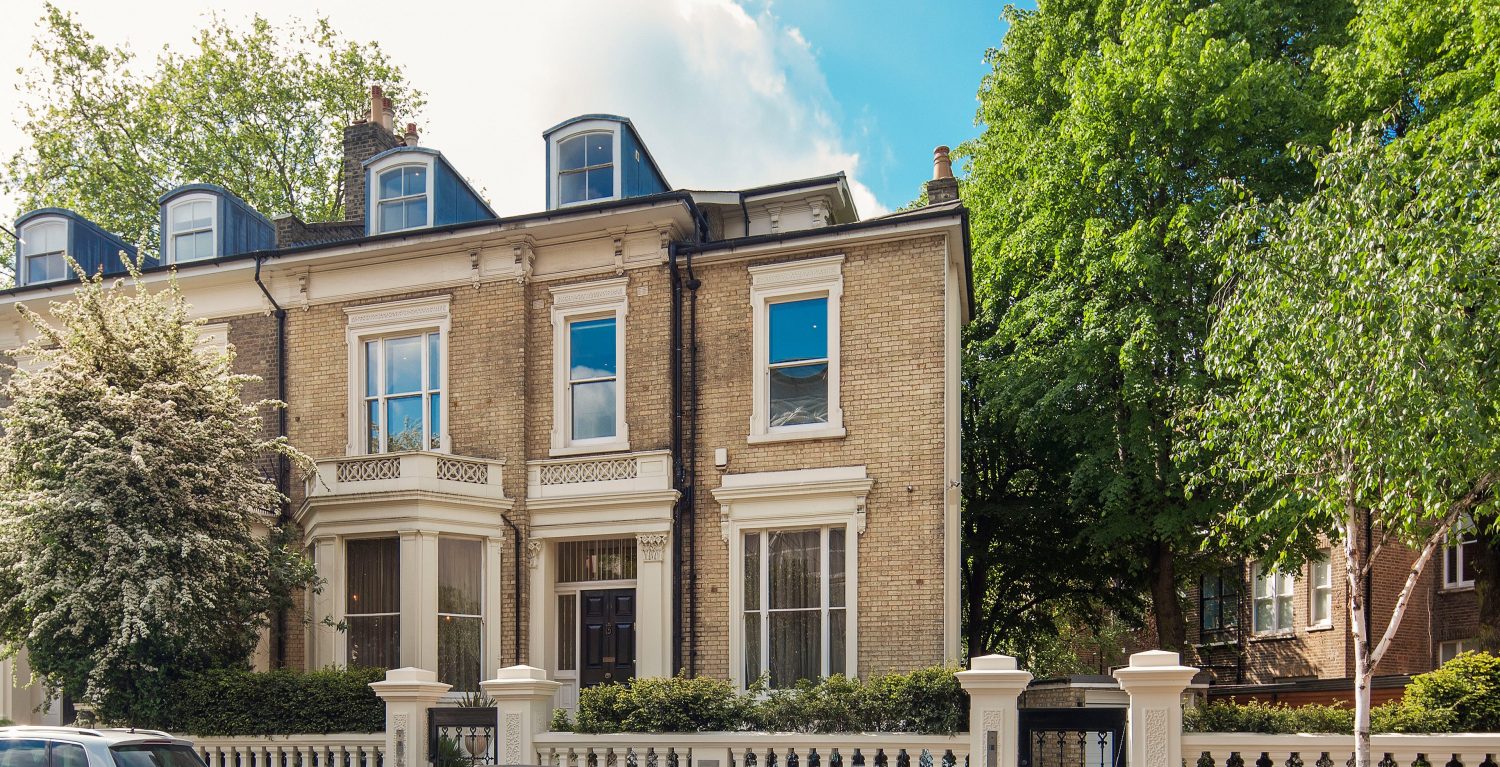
1285, 636
640, 431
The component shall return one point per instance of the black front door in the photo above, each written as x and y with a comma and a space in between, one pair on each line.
608, 622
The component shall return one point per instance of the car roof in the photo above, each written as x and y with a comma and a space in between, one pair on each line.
108, 735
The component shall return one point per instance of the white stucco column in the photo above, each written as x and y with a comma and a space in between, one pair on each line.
541, 621
524, 697
408, 693
419, 599
1155, 681
493, 617
994, 684
653, 606
327, 603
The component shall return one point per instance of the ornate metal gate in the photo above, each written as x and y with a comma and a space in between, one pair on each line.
1072, 737
462, 737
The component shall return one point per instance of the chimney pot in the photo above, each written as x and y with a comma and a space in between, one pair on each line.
387, 115
942, 167
943, 187
411, 134
377, 102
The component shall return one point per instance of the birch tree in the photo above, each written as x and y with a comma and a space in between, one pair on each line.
128, 488
1355, 349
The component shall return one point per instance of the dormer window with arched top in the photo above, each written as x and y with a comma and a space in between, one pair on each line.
403, 200
42, 249
586, 167
191, 222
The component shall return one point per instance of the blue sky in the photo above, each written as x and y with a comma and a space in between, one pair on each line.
905, 75
727, 93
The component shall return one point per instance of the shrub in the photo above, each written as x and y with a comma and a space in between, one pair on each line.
1467, 686
235, 702
928, 701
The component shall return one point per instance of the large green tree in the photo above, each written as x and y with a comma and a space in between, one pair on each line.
1111, 132
1358, 350
256, 108
129, 486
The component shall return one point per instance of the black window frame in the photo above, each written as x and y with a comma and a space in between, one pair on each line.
1226, 628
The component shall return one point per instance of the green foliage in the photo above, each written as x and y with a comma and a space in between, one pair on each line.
1282, 719
1109, 132
256, 108
560, 721
450, 753
129, 481
236, 702
5, 722
1468, 686
927, 701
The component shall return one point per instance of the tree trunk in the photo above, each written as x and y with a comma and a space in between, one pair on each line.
1354, 561
1487, 590
1171, 633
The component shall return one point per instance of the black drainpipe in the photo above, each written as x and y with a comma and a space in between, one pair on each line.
283, 465
684, 454
515, 564
693, 283
678, 479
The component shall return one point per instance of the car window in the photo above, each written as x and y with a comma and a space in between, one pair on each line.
23, 753
69, 755
154, 755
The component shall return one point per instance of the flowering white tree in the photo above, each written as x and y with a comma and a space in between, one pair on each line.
128, 488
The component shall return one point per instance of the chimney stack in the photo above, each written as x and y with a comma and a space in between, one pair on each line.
411, 134
377, 103
364, 140
943, 187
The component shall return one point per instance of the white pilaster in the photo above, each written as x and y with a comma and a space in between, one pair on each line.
328, 603
419, 599
524, 697
408, 693
653, 605
542, 627
1155, 681
994, 684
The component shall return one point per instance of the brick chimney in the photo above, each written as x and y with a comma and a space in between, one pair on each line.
363, 140
943, 187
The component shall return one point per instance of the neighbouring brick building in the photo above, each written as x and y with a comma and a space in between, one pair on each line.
643, 430
1286, 636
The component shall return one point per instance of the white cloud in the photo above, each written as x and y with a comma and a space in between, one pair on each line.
725, 98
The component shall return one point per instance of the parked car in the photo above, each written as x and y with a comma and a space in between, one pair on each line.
39, 746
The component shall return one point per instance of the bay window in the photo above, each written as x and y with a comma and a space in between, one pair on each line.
795, 604
372, 610
460, 612
402, 395
1273, 600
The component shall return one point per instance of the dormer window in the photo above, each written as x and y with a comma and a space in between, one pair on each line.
42, 250
191, 221
403, 198
586, 168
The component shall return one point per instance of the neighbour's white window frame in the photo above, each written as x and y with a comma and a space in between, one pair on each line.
395, 318
30, 235
582, 128
396, 161
1283, 588
1453, 648
213, 228
792, 500
1453, 575
1320, 591
600, 299
792, 281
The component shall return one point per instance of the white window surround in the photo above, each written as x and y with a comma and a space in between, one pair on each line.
184, 201
788, 500
392, 162
31, 236
1452, 649
1281, 589
585, 301
213, 337
389, 319
554, 161
788, 281
1320, 592
1454, 556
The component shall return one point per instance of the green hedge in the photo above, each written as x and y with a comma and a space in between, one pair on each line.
929, 701
277, 703
1462, 696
